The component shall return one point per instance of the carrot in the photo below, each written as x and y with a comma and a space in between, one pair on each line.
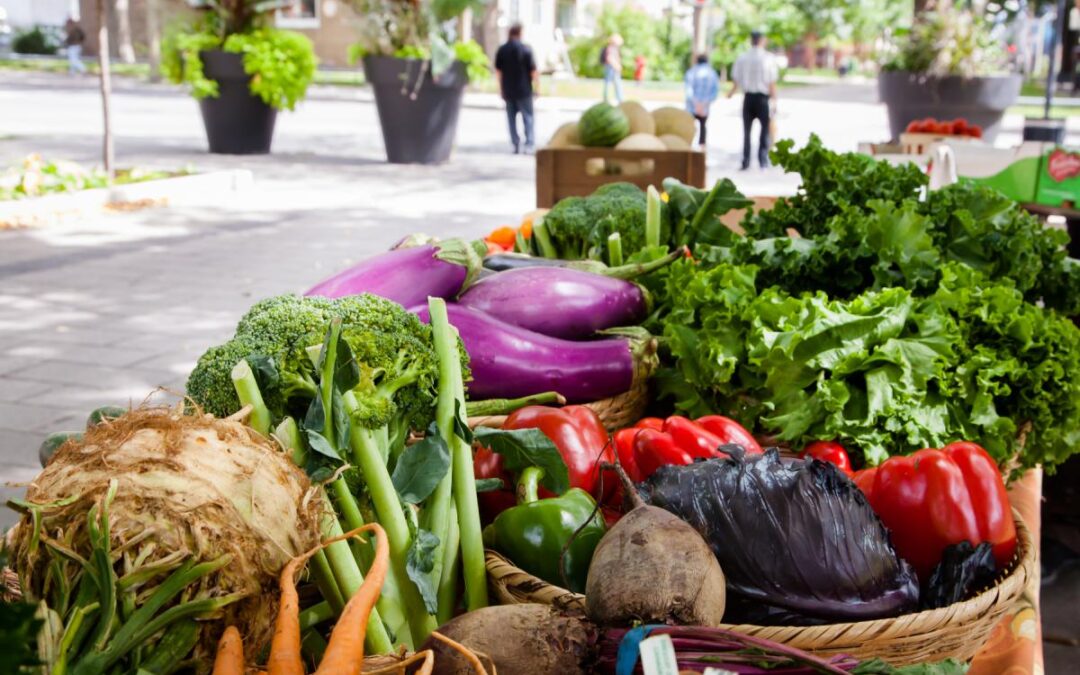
230, 653
345, 652
469, 654
285, 658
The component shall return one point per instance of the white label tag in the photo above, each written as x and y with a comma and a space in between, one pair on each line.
658, 656
717, 671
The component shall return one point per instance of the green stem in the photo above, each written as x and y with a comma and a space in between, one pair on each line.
288, 434
505, 406
652, 217
349, 579
313, 645
634, 270
316, 614
391, 515
543, 241
324, 579
451, 568
529, 485
464, 489
247, 389
614, 249
70, 631
521, 244
174, 645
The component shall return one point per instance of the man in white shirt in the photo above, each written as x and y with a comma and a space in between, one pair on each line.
755, 73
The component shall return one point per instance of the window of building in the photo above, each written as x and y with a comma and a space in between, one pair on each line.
300, 14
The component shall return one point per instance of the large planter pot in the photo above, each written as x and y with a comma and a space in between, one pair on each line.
418, 113
980, 100
237, 122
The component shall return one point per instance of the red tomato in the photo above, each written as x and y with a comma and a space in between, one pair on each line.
829, 451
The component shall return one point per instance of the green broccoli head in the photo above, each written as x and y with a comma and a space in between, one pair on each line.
393, 349
579, 226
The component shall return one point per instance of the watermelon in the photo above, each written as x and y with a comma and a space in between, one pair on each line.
603, 125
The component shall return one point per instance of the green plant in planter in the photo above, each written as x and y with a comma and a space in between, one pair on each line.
417, 30
281, 62
947, 42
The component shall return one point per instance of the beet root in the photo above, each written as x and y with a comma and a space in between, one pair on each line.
519, 639
654, 567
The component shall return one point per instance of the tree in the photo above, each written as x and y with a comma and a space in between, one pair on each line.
123, 31
106, 88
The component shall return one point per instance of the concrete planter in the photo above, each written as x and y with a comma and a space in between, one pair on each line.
237, 122
980, 100
418, 113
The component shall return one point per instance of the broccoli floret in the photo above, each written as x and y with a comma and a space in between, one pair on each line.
398, 365
579, 226
210, 385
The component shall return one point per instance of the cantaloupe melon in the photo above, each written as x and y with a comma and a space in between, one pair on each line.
641, 122
674, 142
641, 142
565, 136
675, 121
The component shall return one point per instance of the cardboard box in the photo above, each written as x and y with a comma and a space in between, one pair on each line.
576, 172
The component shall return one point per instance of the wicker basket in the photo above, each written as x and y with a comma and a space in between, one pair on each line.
957, 631
615, 412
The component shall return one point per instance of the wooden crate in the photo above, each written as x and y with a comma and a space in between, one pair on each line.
564, 172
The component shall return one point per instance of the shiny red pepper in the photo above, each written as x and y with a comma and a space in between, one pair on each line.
693, 438
829, 451
624, 450
654, 449
650, 423
864, 478
581, 439
730, 431
935, 498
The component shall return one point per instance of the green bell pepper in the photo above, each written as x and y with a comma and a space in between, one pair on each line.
535, 533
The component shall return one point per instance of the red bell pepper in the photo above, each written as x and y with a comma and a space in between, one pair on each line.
654, 449
730, 431
624, 450
864, 478
829, 451
933, 499
650, 423
692, 437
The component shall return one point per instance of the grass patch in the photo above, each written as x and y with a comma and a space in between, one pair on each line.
37, 177
1037, 111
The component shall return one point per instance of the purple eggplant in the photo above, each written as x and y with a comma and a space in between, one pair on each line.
508, 361
408, 276
557, 301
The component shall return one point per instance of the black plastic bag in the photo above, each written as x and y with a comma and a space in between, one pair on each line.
795, 535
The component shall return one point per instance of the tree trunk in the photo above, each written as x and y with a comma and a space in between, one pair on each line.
153, 37
465, 25
699, 28
106, 87
931, 5
491, 35
123, 31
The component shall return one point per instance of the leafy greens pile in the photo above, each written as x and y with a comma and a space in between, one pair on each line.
893, 322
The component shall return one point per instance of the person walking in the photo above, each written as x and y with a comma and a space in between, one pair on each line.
611, 57
755, 74
702, 86
519, 82
73, 41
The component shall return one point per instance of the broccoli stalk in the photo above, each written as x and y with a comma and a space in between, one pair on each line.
337, 573
452, 386
614, 249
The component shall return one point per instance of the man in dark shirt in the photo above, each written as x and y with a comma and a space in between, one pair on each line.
518, 82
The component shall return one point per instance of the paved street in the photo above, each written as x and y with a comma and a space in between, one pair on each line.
105, 309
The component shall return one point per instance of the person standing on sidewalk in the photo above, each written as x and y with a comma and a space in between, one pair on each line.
519, 82
755, 73
702, 86
73, 41
611, 57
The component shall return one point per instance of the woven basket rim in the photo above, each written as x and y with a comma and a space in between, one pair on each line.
1008, 587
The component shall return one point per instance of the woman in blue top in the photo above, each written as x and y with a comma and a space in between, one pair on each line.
702, 86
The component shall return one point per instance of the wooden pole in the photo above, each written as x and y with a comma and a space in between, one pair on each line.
106, 88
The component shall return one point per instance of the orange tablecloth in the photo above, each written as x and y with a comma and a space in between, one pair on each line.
1015, 647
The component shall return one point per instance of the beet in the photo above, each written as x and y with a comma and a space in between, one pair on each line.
654, 567
520, 640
